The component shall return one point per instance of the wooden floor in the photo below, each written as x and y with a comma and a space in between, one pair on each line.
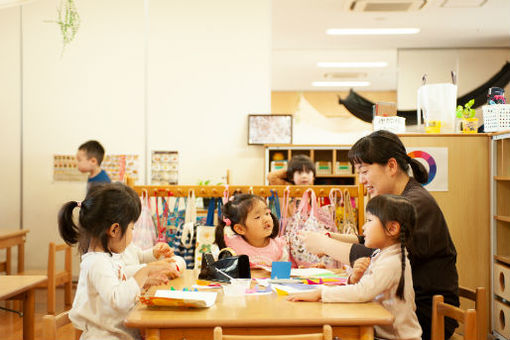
11, 324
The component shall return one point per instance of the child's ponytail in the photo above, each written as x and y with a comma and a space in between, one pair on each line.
401, 282
67, 228
219, 235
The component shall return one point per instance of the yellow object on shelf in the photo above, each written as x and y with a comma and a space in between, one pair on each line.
469, 125
433, 126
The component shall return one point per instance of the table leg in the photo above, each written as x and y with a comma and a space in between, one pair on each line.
28, 315
366, 333
152, 334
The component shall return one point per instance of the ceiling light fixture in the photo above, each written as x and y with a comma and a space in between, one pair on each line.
371, 31
340, 83
353, 64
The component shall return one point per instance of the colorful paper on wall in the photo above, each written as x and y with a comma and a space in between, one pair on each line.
117, 167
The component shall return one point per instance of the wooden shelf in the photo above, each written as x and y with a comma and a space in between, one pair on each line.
335, 176
504, 259
502, 218
502, 178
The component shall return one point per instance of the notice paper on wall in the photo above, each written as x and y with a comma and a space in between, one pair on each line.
435, 161
116, 166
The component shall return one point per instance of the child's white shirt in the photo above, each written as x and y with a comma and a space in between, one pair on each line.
135, 258
104, 297
379, 284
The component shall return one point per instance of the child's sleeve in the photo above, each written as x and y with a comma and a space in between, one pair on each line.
146, 256
375, 281
113, 287
278, 177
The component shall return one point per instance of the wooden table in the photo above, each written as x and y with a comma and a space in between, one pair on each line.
10, 238
21, 287
262, 314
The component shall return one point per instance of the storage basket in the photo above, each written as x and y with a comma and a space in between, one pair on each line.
496, 117
393, 124
343, 168
323, 168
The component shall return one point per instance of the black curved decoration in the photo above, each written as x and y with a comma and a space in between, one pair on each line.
361, 107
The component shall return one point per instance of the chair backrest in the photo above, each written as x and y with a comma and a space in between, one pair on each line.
441, 309
52, 323
479, 296
327, 334
52, 256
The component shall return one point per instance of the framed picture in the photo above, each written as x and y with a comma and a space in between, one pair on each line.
269, 129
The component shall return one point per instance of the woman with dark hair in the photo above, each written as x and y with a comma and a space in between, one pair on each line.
382, 163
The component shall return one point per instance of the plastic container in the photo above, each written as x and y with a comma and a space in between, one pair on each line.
236, 287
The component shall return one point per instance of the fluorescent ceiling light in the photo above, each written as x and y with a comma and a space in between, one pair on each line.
353, 64
340, 83
371, 31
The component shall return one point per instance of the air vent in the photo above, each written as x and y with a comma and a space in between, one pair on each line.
387, 5
344, 75
463, 3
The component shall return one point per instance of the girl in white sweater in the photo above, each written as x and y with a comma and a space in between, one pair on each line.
388, 279
105, 294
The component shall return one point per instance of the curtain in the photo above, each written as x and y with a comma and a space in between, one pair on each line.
362, 107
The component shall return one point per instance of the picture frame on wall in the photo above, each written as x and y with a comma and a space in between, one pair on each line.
269, 129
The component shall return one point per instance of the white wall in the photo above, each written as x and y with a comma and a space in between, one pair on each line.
208, 69
473, 66
10, 117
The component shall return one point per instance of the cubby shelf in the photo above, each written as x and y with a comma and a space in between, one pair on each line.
500, 229
504, 259
502, 218
318, 153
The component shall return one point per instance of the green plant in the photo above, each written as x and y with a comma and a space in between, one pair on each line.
466, 111
69, 21
207, 182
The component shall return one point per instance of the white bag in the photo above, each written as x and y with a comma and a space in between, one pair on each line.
438, 102
144, 231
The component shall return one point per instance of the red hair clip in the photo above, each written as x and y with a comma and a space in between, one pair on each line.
227, 221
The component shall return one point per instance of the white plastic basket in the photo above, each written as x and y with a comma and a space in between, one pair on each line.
496, 117
393, 124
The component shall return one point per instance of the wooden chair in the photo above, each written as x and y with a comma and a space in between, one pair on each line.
57, 278
479, 297
52, 323
327, 334
441, 309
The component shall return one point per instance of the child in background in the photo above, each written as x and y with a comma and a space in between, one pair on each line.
300, 171
89, 157
135, 258
256, 230
388, 279
105, 294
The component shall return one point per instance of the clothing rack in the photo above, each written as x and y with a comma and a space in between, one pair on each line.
356, 191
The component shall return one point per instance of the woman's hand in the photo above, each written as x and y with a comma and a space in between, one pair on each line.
314, 242
359, 268
314, 295
162, 250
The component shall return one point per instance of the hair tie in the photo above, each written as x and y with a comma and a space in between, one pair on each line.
78, 204
227, 221
408, 159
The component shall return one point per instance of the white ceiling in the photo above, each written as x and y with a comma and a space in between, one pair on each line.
299, 39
